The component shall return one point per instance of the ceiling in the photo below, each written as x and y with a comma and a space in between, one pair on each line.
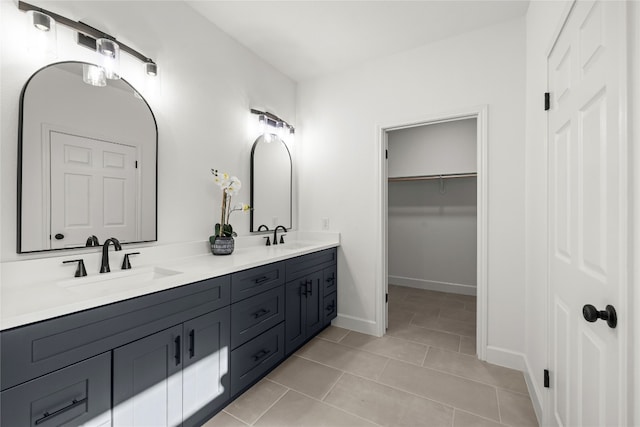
307, 39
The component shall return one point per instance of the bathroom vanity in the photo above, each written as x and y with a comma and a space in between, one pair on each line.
172, 356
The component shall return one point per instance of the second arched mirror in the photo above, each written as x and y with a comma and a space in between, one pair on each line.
271, 173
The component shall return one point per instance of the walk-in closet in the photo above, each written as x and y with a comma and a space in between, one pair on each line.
432, 230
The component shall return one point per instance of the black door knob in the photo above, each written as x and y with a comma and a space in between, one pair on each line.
591, 314
59, 236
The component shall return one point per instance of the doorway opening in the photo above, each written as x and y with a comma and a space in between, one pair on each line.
433, 227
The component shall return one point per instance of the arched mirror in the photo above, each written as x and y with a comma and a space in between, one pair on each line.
87, 162
270, 183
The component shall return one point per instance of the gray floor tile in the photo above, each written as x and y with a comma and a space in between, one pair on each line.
305, 376
474, 369
333, 333
516, 409
465, 419
426, 336
387, 406
344, 358
468, 345
222, 419
395, 348
448, 389
255, 401
297, 410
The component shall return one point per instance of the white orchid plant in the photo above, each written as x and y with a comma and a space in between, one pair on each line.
230, 186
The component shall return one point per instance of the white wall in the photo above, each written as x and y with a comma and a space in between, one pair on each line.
634, 25
440, 148
207, 84
432, 236
543, 20
339, 118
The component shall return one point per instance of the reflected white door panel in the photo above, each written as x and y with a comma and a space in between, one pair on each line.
93, 190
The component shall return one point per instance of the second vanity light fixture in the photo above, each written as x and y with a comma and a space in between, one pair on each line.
270, 124
106, 45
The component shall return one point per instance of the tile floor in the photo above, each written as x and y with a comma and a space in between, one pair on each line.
422, 373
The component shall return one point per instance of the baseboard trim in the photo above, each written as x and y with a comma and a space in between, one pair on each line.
357, 324
432, 285
504, 357
534, 391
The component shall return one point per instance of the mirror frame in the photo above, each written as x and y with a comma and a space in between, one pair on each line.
253, 229
19, 168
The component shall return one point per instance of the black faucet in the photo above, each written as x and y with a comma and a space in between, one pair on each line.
275, 234
265, 227
92, 241
104, 267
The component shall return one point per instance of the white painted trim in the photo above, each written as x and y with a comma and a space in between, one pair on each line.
504, 357
357, 324
480, 113
634, 63
433, 285
536, 397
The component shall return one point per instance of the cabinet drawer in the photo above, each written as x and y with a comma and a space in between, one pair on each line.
330, 306
253, 316
306, 264
30, 351
330, 279
245, 284
77, 394
250, 361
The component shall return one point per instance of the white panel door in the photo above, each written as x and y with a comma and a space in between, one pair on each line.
588, 215
93, 190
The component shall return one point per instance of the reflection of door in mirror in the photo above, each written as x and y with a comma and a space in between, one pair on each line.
93, 190
111, 124
270, 183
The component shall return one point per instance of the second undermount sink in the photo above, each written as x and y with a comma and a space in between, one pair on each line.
117, 281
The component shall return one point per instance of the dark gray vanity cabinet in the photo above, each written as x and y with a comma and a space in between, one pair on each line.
304, 310
75, 395
309, 278
174, 377
174, 357
257, 323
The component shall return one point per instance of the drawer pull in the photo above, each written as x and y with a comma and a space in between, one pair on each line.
178, 350
48, 416
192, 343
260, 355
258, 314
331, 307
261, 280
331, 279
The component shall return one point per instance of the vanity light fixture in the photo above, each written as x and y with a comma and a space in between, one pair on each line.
270, 124
110, 52
151, 68
42, 37
89, 37
94, 75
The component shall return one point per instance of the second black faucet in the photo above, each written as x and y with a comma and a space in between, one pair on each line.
104, 265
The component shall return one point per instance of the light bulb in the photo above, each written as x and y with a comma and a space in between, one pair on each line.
93, 75
110, 52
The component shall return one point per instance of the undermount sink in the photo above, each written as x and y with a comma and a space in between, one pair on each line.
117, 281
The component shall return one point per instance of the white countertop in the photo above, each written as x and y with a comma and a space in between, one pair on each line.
40, 289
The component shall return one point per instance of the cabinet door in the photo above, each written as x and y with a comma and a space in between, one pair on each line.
295, 314
79, 394
315, 310
147, 381
205, 374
